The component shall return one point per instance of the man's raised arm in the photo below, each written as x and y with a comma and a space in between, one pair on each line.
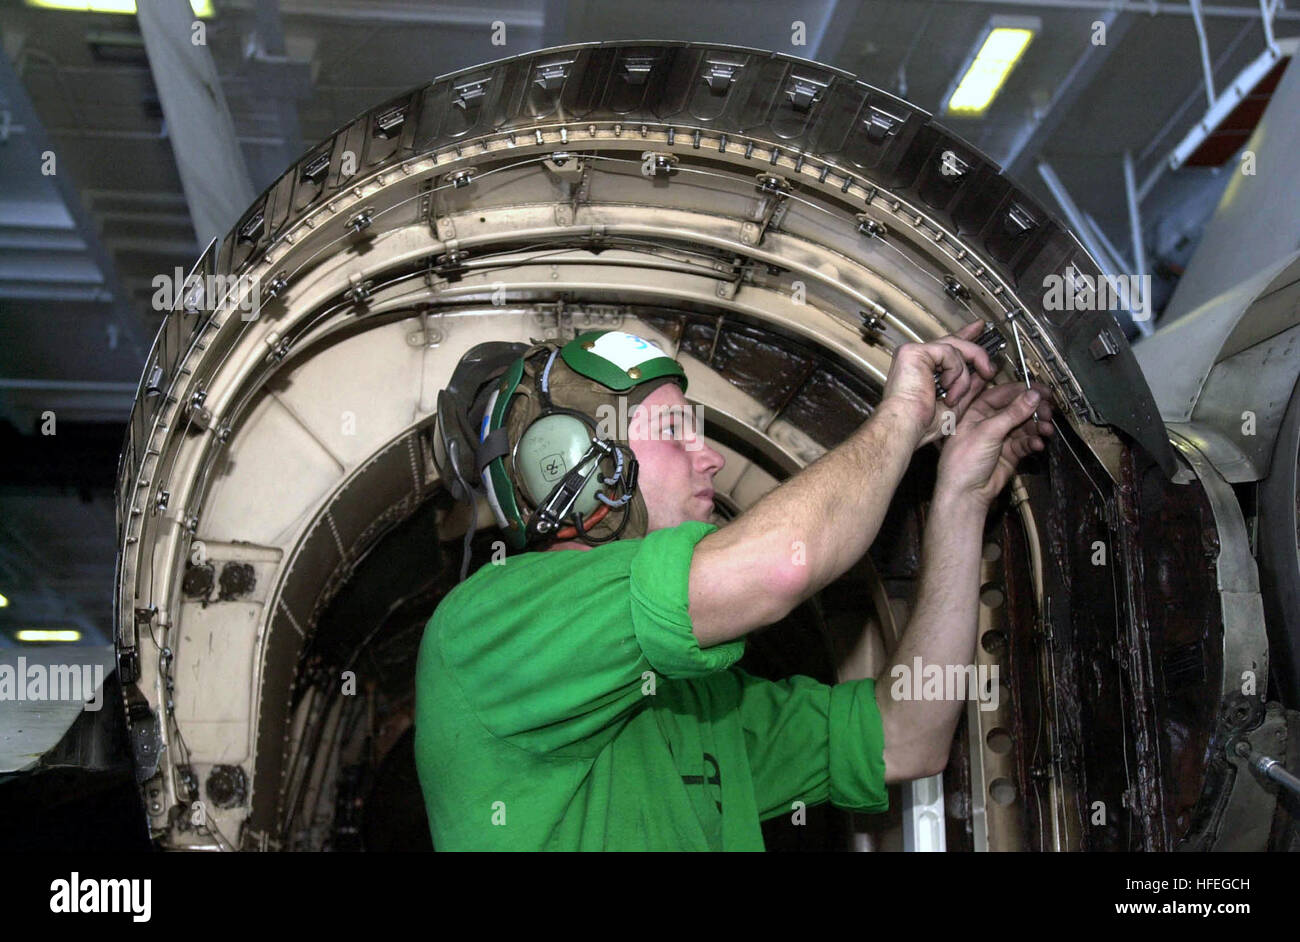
976, 464
808, 531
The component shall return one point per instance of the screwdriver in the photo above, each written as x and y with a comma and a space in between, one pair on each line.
1268, 767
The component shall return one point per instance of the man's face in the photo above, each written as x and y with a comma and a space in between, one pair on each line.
676, 466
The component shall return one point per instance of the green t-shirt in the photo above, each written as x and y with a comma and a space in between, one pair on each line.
563, 703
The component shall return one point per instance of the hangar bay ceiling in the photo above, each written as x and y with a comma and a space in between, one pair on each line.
780, 227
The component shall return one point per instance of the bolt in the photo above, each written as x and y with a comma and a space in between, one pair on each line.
871, 228
361, 221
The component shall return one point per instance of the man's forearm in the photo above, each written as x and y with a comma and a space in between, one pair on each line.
824, 518
941, 632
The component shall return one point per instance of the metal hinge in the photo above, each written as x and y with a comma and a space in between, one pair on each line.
720, 76
637, 68
551, 76
469, 92
804, 92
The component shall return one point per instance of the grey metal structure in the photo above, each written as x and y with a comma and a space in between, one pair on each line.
1258, 219
1225, 363
281, 425
211, 164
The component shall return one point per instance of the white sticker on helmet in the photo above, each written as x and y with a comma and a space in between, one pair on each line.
625, 350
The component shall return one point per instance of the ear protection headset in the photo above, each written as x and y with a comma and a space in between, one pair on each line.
547, 485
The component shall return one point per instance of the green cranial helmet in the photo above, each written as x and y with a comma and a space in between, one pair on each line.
549, 455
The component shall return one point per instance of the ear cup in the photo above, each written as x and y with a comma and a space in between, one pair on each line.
547, 451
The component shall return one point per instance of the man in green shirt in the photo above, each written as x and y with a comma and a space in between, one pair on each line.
585, 697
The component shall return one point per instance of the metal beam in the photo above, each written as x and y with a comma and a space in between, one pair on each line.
918, 35
50, 291
130, 330
1032, 140
1136, 6
1100, 233
1075, 217
22, 401
1199, 19
68, 385
42, 266
1177, 114
40, 238
1078, 221
429, 14
1266, 12
1134, 216
1238, 89
124, 134
1139, 250
213, 172
276, 84
1224, 105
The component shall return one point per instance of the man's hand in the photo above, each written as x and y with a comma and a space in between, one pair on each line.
910, 384
998, 430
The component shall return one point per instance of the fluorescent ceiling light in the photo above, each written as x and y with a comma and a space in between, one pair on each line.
4, 602
48, 634
988, 70
202, 8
